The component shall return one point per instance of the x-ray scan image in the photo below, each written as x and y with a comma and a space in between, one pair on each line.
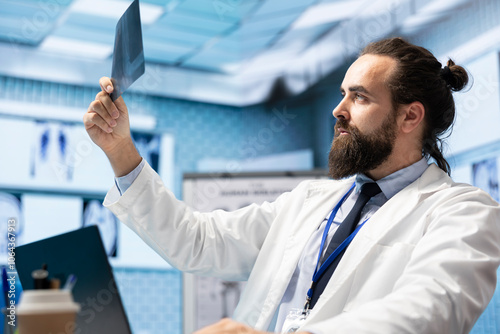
96, 214
485, 176
50, 159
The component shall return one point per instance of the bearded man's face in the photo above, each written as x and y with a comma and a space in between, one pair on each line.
353, 152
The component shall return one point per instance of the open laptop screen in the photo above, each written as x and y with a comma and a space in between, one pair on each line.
81, 253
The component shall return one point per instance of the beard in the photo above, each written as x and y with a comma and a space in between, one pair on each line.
359, 153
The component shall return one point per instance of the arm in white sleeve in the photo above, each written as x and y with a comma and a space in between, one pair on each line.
219, 243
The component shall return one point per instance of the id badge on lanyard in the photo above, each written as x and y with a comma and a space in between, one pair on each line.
296, 317
294, 320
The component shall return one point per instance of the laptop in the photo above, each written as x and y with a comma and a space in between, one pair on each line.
80, 252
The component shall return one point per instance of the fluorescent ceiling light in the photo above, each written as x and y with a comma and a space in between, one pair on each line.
429, 13
412, 24
438, 6
371, 8
76, 48
327, 13
231, 67
115, 9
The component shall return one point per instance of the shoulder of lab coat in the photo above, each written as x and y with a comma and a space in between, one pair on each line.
425, 263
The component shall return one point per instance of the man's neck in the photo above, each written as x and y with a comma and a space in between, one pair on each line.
390, 166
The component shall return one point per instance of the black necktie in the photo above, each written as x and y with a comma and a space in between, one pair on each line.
368, 190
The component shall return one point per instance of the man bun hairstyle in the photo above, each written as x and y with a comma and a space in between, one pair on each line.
419, 76
455, 76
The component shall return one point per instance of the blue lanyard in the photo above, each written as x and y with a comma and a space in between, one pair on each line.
319, 271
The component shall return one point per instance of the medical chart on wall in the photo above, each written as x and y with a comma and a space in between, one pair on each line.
53, 180
485, 175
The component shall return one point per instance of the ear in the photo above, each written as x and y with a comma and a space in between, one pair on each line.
412, 116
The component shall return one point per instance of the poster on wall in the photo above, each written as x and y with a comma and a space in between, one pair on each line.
57, 172
51, 156
148, 146
485, 176
208, 299
94, 213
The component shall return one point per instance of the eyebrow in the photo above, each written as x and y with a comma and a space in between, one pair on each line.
359, 89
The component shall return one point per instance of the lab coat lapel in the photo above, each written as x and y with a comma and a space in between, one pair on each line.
311, 216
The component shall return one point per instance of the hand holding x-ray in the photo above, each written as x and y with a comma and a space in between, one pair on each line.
128, 55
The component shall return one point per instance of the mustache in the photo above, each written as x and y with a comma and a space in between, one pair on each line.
342, 123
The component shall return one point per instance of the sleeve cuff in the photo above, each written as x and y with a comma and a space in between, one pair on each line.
124, 182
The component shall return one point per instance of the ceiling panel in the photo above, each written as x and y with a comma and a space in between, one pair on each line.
272, 25
177, 33
12, 31
173, 41
273, 6
27, 21
19, 8
88, 21
160, 51
223, 10
163, 3
302, 38
83, 34
182, 20
213, 60
237, 40
244, 46
88, 28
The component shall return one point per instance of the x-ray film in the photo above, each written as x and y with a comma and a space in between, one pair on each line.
128, 55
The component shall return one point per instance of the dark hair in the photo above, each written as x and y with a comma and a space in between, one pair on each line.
419, 77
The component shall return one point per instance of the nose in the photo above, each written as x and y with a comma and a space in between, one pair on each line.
341, 110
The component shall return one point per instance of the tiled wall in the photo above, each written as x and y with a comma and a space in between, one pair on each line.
152, 299
202, 131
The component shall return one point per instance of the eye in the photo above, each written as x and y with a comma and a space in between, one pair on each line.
360, 97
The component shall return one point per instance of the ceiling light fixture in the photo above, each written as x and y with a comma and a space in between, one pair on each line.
115, 9
326, 13
77, 48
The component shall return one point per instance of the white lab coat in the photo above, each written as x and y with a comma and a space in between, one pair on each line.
425, 262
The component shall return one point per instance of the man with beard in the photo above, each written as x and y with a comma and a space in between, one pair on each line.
391, 245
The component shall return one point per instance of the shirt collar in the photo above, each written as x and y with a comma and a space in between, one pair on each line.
397, 181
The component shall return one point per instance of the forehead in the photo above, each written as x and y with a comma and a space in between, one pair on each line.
369, 71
